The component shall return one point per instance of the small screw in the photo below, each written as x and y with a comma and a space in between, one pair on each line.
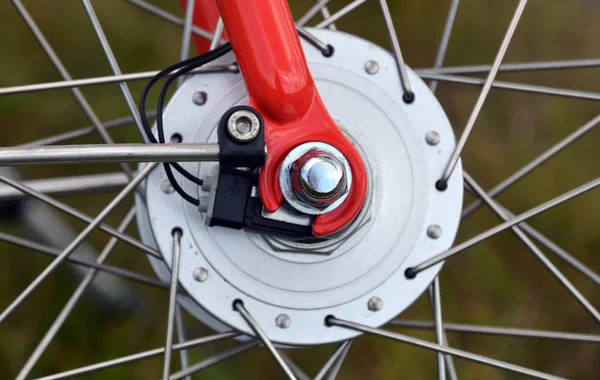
200, 274
375, 304
243, 125
199, 98
372, 67
432, 138
166, 187
283, 321
434, 231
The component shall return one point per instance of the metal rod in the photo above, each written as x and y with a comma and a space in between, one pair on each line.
436, 306
216, 40
180, 327
294, 367
534, 164
231, 68
139, 356
501, 331
325, 13
447, 350
78, 240
169, 17
484, 92
338, 363
339, 14
96, 153
530, 88
260, 334
314, 41
479, 192
186, 35
40, 248
212, 360
501, 227
172, 301
441, 53
514, 67
312, 12
72, 302
332, 359
389, 24
81, 216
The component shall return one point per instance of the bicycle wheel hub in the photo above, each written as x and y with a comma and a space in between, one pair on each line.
291, 284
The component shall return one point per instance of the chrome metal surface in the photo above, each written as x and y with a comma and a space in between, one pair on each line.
243, 125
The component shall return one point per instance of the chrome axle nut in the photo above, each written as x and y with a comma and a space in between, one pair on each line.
315, 178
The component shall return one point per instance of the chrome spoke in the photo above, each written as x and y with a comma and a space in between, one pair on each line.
294, 367
534, 164
215, 42
500, 331
514, 67
68, 185
441, 53
408, 95
339, 14
212, 360
186, 35
436, 305
40, 248
60, 67
72, 302
139, 356
484, 93
314, 41
78, 240
436, 347
479, 192
120, 78
61, 137
338, 363
169, 17
333, 359
325, 13
411, 272
172, 301
97, 153
89, 9
81, 216
180, 327
318, 7
260, 334
530, 88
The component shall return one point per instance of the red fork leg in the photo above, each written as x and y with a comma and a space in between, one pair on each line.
281, 88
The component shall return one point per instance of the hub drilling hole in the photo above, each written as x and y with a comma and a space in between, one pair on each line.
176, 138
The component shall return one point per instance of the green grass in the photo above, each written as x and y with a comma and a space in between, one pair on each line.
496, 282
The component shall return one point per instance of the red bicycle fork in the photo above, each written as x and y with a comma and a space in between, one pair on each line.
268, 51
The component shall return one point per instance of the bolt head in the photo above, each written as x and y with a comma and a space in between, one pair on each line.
200, 274
434, 231
372, 67
432, 138
375, 304
167, 187
283, 321
199, 98
243, 125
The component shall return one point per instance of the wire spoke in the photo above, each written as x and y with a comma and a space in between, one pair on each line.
40, 248
514, 67
215, 42
172, 301
479, 192
186, 35
534, 164
325, 13
72, 302
77, 241
318, 7
436, 306
156, 11
260, 334
387, 17
500, 331
483, 95
139, 356
60, 67
411, 272
294, 367
179, 325
441, 53
97, 153
332, 359
529, 88
212, 360
81, 216
438, 348
338, 363
339, 14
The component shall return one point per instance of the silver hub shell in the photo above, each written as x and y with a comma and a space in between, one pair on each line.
360, 276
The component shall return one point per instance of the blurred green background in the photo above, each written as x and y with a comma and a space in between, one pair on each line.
498, 282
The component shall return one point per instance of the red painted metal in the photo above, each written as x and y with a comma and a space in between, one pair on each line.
281, 88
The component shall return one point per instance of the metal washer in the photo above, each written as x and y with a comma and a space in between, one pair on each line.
370, 262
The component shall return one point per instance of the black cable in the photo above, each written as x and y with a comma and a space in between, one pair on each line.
183, 67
